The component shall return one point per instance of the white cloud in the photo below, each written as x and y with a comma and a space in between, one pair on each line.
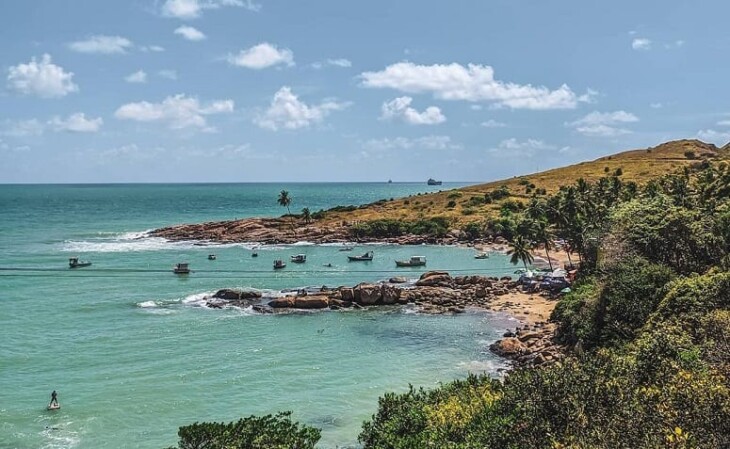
491, 123
22, 128
169, 74
602, 124
399, 108
471, 83
262, 56
192, 9
137, 77
105, 45
42, 78
432, 142
521, 148
723, 123
641, 43
286, 111
190, 33
476, 107
178, 112
339, 62
656, 105
152, 48
713, 136
76, 123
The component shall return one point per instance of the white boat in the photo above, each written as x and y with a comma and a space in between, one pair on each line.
278, 264
482, 256
181, 268
299, 258
74, 262
414, 261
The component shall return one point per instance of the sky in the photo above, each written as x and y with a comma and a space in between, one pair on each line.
271, 90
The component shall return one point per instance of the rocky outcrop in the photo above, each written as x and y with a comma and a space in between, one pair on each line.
237, 294
531, 345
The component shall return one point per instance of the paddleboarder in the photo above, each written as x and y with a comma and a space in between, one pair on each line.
54, 399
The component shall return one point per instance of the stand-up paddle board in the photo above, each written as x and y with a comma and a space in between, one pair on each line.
54, 406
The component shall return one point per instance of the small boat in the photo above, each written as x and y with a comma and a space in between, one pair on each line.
346, 248
254, 254
181, 268
368, 256
433, 182
390, 181
278, 264
414, 261
299, 258
482, 256
74, 262
211, 256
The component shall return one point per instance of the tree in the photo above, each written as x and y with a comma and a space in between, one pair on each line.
520, 251
285, 201
545, 236
307, 215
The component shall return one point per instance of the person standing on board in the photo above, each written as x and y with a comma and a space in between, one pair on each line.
54, 399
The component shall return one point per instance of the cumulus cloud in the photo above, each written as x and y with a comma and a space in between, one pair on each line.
287, 111
262, 56
42, 78
641, 44
400, 108
190, 33
473, 83
713, 136
152, 48
603, 124
491, 123
521, 148
137, 77
339, 62
192, 9
105, 45
432, 142
178, 112
77, 123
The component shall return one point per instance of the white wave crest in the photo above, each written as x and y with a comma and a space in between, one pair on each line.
148, 304
482, 366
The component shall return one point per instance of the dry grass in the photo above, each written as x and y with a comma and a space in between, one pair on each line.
639, 166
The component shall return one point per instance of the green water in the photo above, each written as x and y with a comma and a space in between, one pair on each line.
134, 354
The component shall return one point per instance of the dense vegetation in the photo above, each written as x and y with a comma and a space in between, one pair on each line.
648, 322
385, 228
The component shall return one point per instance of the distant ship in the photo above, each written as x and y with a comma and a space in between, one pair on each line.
433, 182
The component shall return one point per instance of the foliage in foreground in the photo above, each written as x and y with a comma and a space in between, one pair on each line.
264, 432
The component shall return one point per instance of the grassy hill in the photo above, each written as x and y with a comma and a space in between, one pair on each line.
467, 204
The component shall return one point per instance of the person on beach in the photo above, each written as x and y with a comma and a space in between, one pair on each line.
54, 399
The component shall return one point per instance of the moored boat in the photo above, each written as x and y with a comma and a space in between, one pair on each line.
74, 262
299, 258
181, 268
482, 256
278, 264
211, 257
346, 248
364, 258
414, 261
433, 182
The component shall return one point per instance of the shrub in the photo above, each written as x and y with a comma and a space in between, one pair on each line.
454, 195
451, 204
690, 154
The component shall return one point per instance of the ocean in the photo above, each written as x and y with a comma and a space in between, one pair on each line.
134, 354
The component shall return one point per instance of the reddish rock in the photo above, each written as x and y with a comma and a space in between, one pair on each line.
367, 294
508, 347
283, 302
311, 302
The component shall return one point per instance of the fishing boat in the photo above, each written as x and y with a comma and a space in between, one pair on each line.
482, 256
299, 258
211, 257
433, 182
278, 264
364, 258
414, 261
74, 262
181, 268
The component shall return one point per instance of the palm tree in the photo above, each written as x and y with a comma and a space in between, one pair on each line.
545, 236
520, 251
285, 200
306, 215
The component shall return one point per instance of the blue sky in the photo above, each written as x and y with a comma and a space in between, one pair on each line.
267, 90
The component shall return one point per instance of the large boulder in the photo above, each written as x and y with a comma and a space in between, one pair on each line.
367, 294
398, 280
390, 294
283, 302
428, 274
348, 294
236, 294
311, 302
508, 347
436, 280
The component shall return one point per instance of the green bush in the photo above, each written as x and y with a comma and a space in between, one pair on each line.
265, 432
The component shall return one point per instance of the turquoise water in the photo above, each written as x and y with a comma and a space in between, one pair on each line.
134, 354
